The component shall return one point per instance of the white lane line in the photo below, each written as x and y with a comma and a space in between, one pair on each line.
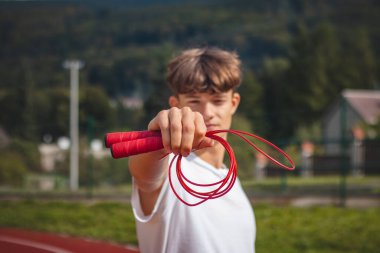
33, 244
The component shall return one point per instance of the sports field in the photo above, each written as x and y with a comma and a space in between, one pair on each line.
280, 228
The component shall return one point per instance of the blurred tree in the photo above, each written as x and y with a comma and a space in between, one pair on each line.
27, 152
125, 50
243, 152
357, 68
313, 62
157, 99
321, 66
50, 114
251, 105
129, 119
95, 105
276, 108
12, 169
12, 108
44, 112
56, 120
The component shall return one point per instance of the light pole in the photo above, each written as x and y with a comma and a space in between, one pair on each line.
74, 66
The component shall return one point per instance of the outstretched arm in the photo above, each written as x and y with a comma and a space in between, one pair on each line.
182, 130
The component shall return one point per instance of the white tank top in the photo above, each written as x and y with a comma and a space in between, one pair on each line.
225, 224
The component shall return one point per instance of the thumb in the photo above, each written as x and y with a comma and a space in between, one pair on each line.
206, 142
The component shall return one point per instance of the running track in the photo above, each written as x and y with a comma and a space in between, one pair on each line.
23, 241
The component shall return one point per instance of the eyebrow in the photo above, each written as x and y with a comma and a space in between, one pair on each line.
219, 95
215, 95
191, 96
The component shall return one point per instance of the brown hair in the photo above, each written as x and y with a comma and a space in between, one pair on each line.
204, 70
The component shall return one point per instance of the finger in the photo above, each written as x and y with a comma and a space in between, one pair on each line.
175, 129
206, 142
200, 129
188, 128
161, 123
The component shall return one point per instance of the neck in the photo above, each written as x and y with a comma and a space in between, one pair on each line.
213, 156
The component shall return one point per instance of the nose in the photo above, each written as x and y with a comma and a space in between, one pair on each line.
207, 111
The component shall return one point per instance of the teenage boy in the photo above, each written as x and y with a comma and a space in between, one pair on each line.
203, 82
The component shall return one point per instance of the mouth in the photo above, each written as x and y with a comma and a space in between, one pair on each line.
211, 127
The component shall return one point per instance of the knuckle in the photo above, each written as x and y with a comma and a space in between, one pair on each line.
174, 127
173, 110
188, 128
198, 115
162, 114
162, 117
201, 131
186, 109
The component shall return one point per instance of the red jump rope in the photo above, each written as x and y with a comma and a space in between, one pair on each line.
124, 144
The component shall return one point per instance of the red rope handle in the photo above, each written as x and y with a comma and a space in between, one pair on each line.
124, 144
135, 147
112, 138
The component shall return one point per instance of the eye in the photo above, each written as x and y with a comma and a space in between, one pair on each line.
219, 101
193, 101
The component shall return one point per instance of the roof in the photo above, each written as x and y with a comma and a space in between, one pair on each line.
365, 102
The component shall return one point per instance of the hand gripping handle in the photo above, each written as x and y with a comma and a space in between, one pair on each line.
134, 147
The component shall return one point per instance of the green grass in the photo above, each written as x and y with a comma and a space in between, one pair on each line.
316, 181
279, 228
327, 185
322, 229
106, 221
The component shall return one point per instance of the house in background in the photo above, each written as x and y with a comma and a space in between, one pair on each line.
349, 111
341, 127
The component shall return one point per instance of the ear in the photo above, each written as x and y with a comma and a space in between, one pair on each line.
173, 101
235, 101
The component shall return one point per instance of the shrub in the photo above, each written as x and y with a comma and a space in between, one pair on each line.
12, 169
28, 152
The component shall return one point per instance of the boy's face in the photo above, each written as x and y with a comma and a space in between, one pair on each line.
217, 109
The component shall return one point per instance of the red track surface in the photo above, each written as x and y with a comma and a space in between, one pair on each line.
22, 241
